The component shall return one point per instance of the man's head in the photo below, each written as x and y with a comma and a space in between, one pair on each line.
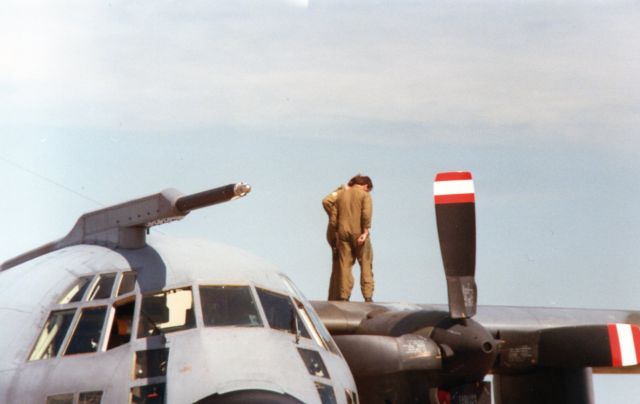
363, 181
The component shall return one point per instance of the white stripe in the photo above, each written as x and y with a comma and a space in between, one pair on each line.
455, 187
627, 347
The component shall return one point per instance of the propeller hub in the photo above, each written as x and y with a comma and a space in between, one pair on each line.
469, 350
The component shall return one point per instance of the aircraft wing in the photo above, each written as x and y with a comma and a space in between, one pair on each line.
402, 352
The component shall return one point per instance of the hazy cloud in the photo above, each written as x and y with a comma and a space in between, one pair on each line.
557, 69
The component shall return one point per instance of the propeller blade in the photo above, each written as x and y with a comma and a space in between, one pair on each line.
454, 197
610, 345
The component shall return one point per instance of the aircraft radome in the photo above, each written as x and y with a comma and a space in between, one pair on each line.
109, 315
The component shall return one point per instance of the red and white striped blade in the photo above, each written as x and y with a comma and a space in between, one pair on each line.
453, 187
454, 198
597, 345
624, 340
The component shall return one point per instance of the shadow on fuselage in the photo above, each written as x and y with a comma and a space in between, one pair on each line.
151, 271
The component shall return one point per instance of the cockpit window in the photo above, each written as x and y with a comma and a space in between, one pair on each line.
76, 291
122, 323
228, 305
52, 334
127, 283
307, 312
280, 313
166, 312
103, 286
86, 336
77, 322
306, 319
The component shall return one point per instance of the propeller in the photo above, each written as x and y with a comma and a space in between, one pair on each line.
455, 216
469, 350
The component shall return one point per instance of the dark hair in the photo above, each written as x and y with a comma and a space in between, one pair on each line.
361, 180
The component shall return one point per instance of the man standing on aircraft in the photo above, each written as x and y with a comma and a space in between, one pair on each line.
328, 203
351, 218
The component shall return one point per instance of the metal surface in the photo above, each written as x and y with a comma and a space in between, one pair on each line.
124, 225
198, 362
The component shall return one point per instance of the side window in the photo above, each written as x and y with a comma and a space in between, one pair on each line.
151, 363
52, 334
90, 397
228, 305
280, 312
310, 314
102, 288
75, 293
60, 399
127, 283
77, 320
86, 335
314, 362
153, 393
165, 312
303, 315
122, 322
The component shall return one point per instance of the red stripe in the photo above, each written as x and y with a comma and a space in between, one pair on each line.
453, 176
614, 343
636, 340
455, 198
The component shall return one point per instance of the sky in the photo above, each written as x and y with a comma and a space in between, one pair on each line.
102, 102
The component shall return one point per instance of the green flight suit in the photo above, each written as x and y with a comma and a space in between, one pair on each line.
351, 218
328, 203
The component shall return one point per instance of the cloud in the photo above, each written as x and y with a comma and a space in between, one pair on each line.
299, 3
562, 68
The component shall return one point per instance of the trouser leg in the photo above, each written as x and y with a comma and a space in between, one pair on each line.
334, 285
334, 281
345, 263
365, 259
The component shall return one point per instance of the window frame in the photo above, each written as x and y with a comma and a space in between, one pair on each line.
72, 330
255, 300
294, 310
194, 306
90, 295
59, 305
63, 341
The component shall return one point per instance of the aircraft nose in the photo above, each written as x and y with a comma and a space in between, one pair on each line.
250, 397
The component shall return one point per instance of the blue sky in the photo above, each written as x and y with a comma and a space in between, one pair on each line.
540, 100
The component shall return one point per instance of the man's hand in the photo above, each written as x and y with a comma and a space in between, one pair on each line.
363, 237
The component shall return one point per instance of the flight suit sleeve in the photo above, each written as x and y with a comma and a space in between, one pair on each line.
329, 201
367, 211
329, 205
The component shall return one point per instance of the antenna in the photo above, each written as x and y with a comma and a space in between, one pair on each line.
124, 225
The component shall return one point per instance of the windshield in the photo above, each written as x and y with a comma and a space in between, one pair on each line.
228, 306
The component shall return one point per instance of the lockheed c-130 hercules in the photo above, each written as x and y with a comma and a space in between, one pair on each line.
114, 316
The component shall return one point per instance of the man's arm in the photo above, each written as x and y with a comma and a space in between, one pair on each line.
329, 201
365, 218
367, 211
